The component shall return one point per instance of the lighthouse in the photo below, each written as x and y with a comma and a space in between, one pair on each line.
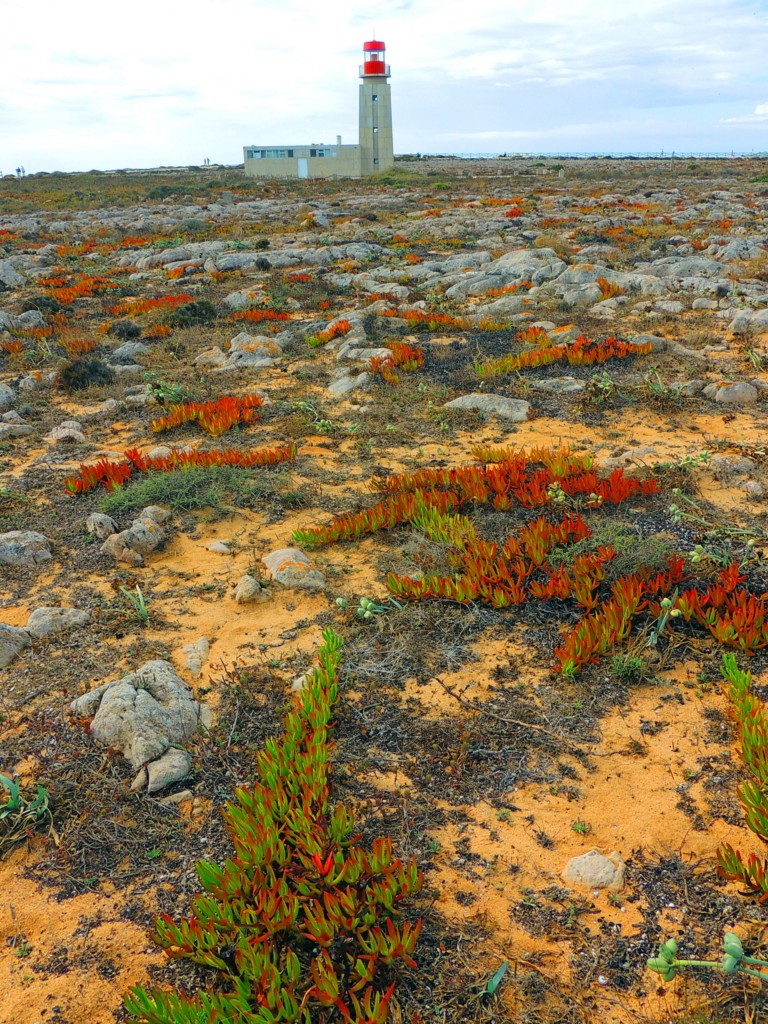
375, 138
373, 153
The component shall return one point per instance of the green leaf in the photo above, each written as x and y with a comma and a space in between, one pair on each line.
495, 980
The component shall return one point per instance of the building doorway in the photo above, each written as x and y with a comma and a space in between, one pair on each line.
303, 167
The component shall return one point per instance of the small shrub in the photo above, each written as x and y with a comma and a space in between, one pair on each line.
42, 303
125, 330
79, 374
201, 311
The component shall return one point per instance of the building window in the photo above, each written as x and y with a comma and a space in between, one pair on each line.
374, 98
375, 130
375, 159
290, 152
313, 152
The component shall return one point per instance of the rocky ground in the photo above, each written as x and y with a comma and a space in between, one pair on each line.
153, 634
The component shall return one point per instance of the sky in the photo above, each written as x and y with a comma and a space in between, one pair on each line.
89, 84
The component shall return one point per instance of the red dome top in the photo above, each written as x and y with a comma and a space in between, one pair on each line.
374, 44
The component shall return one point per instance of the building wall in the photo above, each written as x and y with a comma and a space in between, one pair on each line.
376, 144
345, 162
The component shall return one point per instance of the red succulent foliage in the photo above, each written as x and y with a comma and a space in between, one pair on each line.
215, 417
257, 316
135, 307
112, 474
583, 352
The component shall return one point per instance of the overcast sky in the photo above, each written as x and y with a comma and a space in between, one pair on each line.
89, 84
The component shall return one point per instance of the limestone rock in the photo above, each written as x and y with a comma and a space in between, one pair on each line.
24, 547
174, 765
100, 526
44, 621
196, 655
142, 714
293, 569
740, 393
250, 589
595, 871
143, 536
7, 397
12, 642
514, 409
342, 387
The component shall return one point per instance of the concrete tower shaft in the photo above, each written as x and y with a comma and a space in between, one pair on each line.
376, 144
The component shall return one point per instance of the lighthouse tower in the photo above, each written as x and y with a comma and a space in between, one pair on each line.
376, 147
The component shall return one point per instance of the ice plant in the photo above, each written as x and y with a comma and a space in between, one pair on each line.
403, 357
215, 417
135, 307
111, 474
583, 352
301, 923
335, 330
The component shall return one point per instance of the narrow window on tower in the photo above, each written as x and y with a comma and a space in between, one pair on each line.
375, 130
374, 98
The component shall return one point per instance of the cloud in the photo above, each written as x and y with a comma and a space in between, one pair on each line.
177, 81
758, 116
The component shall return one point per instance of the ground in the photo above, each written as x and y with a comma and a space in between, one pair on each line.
455, 734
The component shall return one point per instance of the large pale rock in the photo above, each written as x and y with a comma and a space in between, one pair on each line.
195, 656
12, 642
142, 714
44, 621
24, 547
595, 871
292, 568
740, 393
514, 409
9, 276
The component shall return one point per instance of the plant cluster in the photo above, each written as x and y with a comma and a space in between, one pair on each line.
112, 474
257, 316
337, 330
215, 417
301, 924
502, 576
66, 290
583, 352
18, 816
135, 307
407, 358
419, 320
752, 725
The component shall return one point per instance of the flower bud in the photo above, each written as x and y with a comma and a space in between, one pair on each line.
666, 604
730, 964
662, 967
732, 945
668, 950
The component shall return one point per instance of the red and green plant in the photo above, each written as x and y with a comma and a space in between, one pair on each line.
402, 357
301, 924
135, 307
111, 474
337, 330
583, 352
215, 417
752, 726
257, 316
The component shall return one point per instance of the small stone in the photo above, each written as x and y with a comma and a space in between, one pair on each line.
740, 393
24, 547
173, 766
7, 397
341, 387
250, 589
595, 871
65, 433
726, 467
44, 621
12, 642
220, 547
177, 798
754, 490
513, 409
100, 526
196, 654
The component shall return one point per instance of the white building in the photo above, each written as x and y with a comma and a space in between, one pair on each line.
373, 153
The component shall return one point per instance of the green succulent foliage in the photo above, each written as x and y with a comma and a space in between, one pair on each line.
301, 923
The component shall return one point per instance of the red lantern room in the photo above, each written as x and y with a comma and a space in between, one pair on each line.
374, 60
